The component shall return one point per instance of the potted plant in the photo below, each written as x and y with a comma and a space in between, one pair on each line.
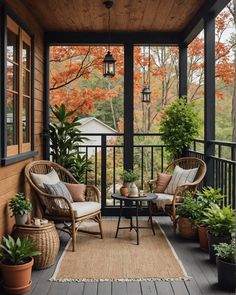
205, 198
16, 264
129, 176
187, 213
20, 208
179, 126
220, 223
226, 265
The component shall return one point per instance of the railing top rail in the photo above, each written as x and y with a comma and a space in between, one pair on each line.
225, 143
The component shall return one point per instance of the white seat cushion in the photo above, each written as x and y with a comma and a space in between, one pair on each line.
85, 208
163, 199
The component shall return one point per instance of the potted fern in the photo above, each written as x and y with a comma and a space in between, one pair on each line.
20, 208
220, 223
129, 177
16, 264
226, 265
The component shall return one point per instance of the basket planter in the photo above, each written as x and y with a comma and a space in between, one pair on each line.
187, 229
17, 278
213, 240
203, 240
226, 275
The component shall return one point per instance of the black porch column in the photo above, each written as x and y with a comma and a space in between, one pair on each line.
128, 106
209, 96
183, 62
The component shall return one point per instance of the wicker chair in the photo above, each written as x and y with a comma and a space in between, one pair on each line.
185, 163
65, 213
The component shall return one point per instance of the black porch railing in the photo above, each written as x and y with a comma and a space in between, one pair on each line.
105, 151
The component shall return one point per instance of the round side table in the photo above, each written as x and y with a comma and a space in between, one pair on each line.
46, 239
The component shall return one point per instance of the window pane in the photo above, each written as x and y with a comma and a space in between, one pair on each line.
26, 56
12, 132
12, 76
26, 119
26, 84
12, 41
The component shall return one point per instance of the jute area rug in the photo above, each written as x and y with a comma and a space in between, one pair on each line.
120, 259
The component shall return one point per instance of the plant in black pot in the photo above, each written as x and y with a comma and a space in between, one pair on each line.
205, 198
187, 213
16, 264
226, 265
20, 208
220, 223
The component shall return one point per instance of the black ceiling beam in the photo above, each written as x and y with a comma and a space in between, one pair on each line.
196, 25
115, 38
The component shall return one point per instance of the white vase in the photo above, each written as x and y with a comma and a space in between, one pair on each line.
133, 190
21, 219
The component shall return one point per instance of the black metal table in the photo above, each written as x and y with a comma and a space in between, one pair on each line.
138, 205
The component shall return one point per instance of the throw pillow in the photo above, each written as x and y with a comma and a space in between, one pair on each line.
50, 178
180, 176
77, 191
58, 189
162, 182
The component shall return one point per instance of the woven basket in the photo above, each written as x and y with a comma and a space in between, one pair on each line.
47, 242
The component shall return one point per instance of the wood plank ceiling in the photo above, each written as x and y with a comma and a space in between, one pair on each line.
126, 15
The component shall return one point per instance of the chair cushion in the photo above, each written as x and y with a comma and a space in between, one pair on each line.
85, 208
77, 191
50, 178
163, 199
58, 189
180, 176
162, 181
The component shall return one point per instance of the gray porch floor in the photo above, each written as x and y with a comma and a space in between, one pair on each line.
203, 273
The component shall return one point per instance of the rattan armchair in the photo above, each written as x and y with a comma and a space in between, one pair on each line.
58, 208
178, 196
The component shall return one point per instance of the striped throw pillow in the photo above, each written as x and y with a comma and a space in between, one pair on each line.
180, 176
58, 189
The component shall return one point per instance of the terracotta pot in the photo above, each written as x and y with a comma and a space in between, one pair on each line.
187, 229
202, 235
124, 191
17, 278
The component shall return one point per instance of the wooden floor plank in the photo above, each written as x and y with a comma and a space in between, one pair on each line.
119, 288
164, 288
134, 288
104, 288
148, 288
179, 288
59, 289
90, 288
76, 289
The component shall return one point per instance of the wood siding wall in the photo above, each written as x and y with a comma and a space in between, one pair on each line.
12, 176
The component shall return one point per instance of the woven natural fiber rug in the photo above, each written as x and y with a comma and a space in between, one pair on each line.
121, 259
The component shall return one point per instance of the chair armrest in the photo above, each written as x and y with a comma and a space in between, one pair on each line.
152, 185
93, 194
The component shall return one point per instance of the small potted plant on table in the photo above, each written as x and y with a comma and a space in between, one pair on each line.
220, 223
226, 265
20, 208
16, 264
129, 176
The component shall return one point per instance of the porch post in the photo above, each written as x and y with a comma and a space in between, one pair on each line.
183, 62
128, 106
209, 96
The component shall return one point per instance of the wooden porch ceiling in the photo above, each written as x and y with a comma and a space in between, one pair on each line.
155, 16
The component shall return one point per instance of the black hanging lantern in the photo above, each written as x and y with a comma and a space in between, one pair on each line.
109, 63
146, 94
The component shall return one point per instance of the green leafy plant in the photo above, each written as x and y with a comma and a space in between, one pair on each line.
226, 252
17, 251
65, 137
179, 126
129, 176
189, 207
220, 221
19, 205
205, 198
